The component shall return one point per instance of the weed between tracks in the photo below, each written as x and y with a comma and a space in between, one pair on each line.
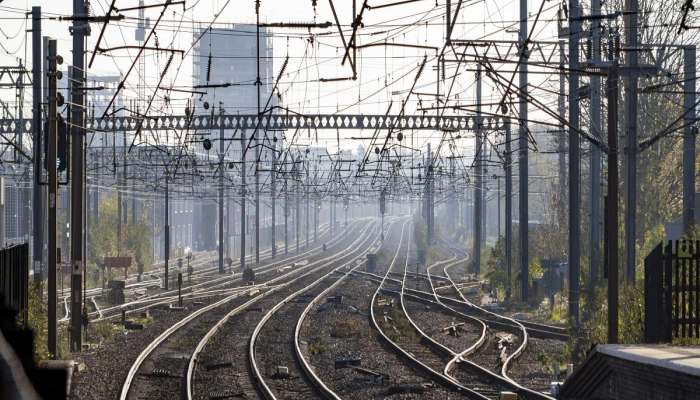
346, 328
399, 327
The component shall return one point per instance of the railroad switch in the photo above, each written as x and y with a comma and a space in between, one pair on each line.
454, 329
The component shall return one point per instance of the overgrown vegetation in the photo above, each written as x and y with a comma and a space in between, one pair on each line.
105, 240
317, 346
399, 328
349, 327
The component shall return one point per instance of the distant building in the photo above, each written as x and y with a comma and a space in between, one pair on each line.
228, 56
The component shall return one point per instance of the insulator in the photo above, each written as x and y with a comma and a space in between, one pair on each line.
209, 68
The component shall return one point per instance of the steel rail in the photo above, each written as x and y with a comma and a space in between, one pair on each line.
168, 332
323, 389
215, 328
257, 375
162, 298
529, 393
449, 382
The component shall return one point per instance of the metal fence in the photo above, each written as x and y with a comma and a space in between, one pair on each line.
14, 279
672, 291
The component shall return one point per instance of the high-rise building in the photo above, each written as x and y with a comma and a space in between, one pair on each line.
226, 68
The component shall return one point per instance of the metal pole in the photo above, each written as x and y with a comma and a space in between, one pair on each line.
227, 239
522, 150
166, 250
631, 94
286, 213
595, 164
689, 132
561, 100
429, 200
2, 211
297, 198
498, 197
308, 238
37, 125
611, 204
258, 83
222, 150
80, 30
53, 199
574, 166
509, 209
243, 198
273, 197
316, 206
478, 188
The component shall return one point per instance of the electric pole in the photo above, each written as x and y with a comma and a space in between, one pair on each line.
221, 188
479, 178
243, 197
273, 196
509, 209
52, 75
522, 150
612, 198
631, 94
689, 132
595, 167
574, 165
37, 125
166, 233
80, 29
258, 84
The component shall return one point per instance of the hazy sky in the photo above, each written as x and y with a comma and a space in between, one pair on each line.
385, 73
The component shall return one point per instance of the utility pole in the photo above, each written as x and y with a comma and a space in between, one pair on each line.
286, 212
228, 224
308, 210
316, 206
574, 165
222, 150
243, 198
522, 149
689, 132
509, 209
297, 197
595, 163
37, 125
429, 200
167, 230
561, 100
479, 178
53, 195
612, 198
258, 83
631, 94
80, 29
273, 196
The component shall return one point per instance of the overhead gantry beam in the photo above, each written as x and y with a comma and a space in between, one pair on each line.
280, 121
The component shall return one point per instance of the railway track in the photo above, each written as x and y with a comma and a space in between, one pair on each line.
467, 374
273, 345
235, 337
208, 283
488, 352
175, 346
374, 369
